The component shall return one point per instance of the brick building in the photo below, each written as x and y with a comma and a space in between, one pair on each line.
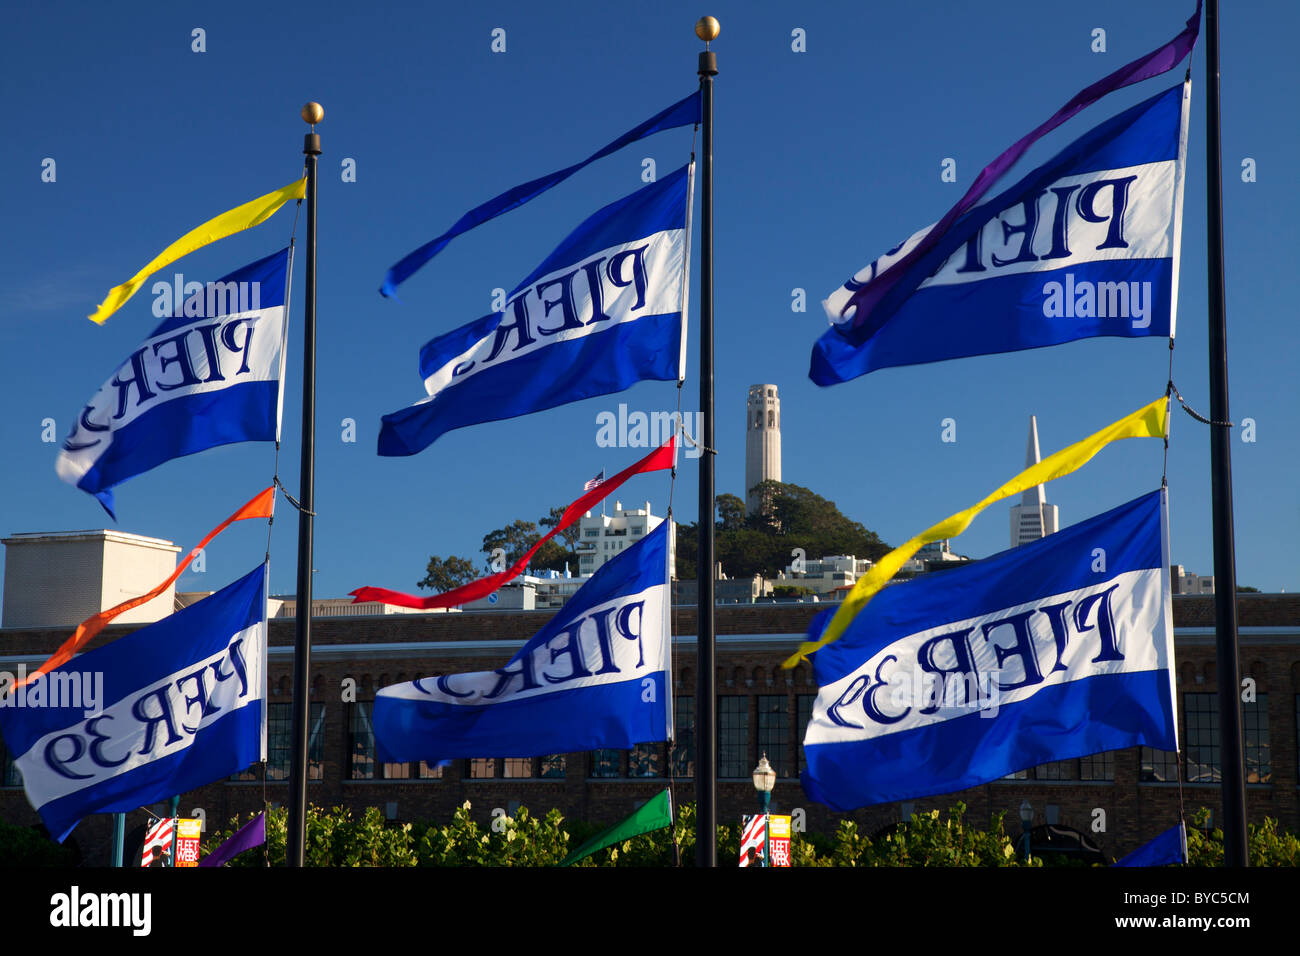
760, 709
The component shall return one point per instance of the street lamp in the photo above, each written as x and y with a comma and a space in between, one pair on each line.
1026, 820
764, 780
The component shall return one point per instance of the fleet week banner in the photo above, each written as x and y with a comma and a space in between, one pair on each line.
208, 375
1085, 245
603, 312
182, 705
595, 677
1054, 650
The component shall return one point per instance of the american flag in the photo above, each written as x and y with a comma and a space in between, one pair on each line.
752, 833
158, 837
595, 482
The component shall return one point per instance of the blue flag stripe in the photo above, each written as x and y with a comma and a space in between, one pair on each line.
1076, 719
611, 716
184, 426
269, 273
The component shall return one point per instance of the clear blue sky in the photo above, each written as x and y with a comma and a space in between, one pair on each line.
824, 159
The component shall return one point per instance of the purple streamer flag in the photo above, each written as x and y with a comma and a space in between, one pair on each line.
873, 302
251, 834
685, 112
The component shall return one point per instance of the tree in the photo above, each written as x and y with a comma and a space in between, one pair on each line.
443, 574
731, 513
569, 536
514, 539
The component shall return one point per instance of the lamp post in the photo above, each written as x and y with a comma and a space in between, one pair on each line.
764, 780
1026, 820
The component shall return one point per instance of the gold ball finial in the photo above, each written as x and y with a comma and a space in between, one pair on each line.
707, 28
313, 113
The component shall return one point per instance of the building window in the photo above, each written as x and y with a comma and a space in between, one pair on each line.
279, 744
1158, 766
1017, 775
645, 760
10, 775
481, 768
604, 763
553, 766
733, 737
1098, 767
361, 743
518, 766
1056, 770
1202, 712
774, 732
395, 771
683, 751
429, 771
591, 532
803, 716
1254, 726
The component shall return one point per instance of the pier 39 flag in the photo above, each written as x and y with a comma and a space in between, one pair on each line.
596, 676
208, 375
180, 703
1054, 650
1085, 245
602, 312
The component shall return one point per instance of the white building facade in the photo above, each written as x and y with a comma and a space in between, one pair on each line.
601, 537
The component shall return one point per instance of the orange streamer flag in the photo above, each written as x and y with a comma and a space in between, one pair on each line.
261, 506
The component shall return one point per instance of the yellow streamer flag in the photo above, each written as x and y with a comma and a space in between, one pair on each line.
227, 224
1150, 421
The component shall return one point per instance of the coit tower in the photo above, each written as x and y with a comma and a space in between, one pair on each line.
762, 441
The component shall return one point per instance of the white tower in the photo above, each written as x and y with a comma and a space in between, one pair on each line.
1033, 518
762, 441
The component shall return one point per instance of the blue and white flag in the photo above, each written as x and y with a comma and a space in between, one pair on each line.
208, 375
1085, 245
163, 710
1054, 650
596, 676
602, 312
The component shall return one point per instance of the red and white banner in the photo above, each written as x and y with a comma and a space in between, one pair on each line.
755, 840
158, 841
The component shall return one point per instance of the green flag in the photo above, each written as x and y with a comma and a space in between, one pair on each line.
655, 814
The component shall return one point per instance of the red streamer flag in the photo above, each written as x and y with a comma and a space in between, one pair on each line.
661, 459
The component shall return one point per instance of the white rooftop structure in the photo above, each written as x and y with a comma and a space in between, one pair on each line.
60, 578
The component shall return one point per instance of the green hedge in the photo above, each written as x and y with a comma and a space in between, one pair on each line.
335, 838
28, 847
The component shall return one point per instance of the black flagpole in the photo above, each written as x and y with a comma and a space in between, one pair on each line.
297, 830
706, 747
1225, 568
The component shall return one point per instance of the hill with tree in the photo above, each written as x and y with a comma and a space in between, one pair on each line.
790, 517
762, 543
